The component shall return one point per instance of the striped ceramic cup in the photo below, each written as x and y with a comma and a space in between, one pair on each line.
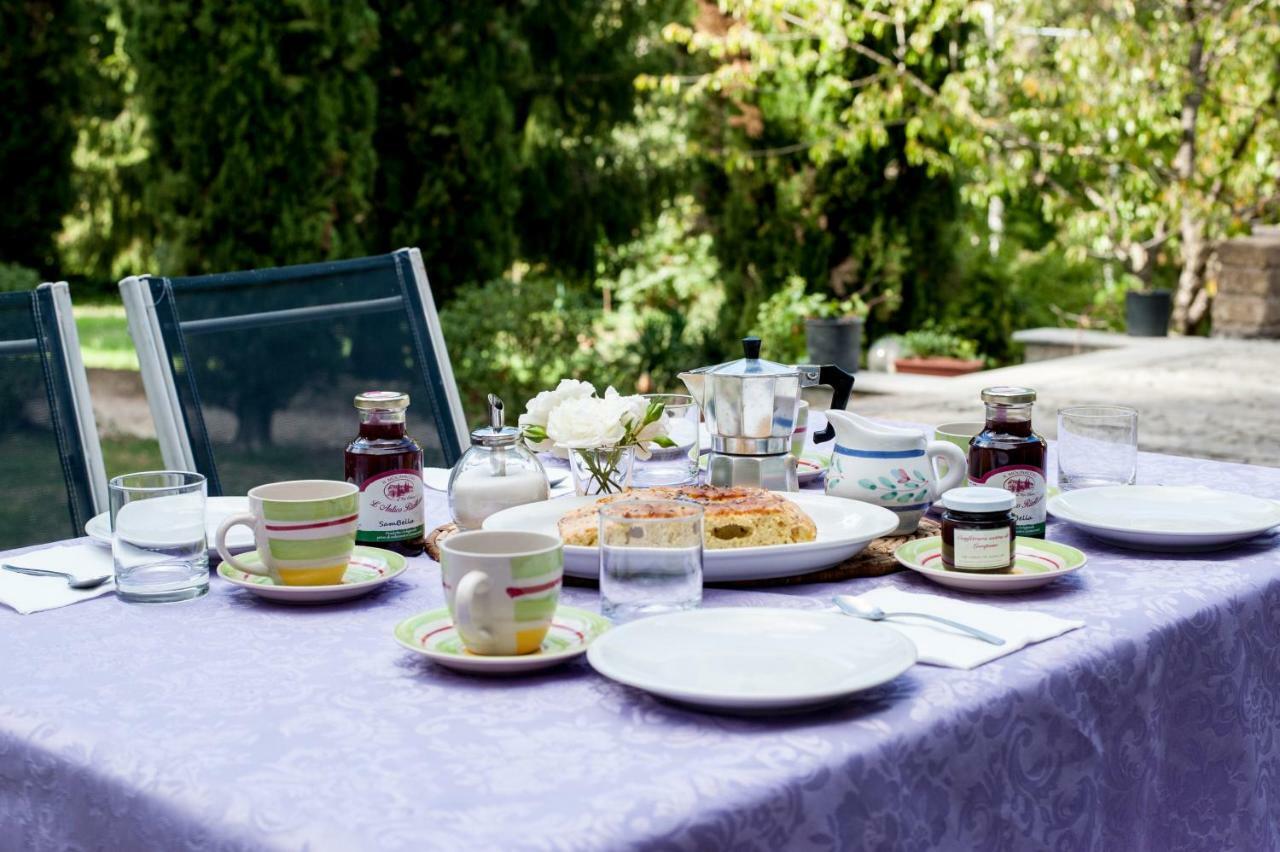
305, 531
502, 588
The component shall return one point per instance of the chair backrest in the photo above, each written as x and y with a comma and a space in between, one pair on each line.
50, 459
251, 375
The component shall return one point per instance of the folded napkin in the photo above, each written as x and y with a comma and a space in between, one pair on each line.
940, 645
28, 594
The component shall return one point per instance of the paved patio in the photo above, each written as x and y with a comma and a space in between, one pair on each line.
1203, 397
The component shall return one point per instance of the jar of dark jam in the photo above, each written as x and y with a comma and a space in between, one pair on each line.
1008, 454
978, 529
387, 465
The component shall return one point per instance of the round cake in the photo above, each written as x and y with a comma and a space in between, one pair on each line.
732, 517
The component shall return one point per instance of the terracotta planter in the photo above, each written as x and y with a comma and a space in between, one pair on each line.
938, 366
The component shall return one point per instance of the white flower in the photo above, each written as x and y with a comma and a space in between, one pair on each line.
538, 410
585, 422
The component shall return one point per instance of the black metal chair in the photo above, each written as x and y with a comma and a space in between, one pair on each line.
251, 375
51, 468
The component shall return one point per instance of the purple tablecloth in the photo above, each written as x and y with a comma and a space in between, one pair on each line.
232, 723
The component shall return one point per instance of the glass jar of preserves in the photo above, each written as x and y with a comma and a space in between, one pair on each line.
978, 530
387, 466
1008, 454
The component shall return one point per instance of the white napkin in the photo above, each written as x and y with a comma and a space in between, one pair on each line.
940, 645
28, 594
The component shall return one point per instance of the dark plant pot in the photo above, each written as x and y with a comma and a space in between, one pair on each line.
834, 341
1146, 314
938, 366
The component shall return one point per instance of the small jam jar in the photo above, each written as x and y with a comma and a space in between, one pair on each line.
978, 528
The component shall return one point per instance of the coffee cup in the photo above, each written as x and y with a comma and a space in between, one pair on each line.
959, 433
502, 588
304, 530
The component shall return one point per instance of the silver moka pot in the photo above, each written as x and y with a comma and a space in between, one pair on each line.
750, 408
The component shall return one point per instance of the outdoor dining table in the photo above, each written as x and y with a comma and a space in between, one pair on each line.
233, 723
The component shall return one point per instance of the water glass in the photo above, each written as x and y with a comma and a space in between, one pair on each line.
676, 465
650, 557
1097, 445
158, 536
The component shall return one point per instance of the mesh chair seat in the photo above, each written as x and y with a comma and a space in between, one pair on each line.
258, 369
50, 461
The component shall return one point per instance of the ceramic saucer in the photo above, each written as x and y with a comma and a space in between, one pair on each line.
432, 634
1036, 562
370, 567
812, 468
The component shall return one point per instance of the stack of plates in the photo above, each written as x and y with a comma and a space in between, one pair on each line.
1166, 517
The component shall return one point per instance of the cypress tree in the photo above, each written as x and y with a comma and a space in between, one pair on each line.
41, 63
261, 116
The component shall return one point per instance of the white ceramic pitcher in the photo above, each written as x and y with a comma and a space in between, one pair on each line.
890, 466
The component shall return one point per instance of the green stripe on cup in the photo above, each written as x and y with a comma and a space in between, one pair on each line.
316, 548
538, 564
536, 610
310, 510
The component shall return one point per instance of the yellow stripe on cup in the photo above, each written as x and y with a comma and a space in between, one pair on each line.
327, 575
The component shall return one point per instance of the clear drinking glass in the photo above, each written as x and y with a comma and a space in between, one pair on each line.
650, 557
676, 465
158, 536
1097, 445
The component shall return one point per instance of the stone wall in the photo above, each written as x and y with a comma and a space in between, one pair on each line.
1248, 299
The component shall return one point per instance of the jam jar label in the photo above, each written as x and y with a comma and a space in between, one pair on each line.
390, 507
1027, 485
982, 550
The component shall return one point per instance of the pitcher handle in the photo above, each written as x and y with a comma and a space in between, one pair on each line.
957, 467
841, 383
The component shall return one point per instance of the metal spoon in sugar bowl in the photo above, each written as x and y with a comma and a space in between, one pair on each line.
860, 609
72, 581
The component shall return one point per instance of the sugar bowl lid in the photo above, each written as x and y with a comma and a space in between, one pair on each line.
496, 434
751, 365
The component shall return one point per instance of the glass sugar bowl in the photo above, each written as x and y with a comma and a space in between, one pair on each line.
496, 473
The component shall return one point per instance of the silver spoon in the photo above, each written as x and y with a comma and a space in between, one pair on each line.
860, 609
72, 581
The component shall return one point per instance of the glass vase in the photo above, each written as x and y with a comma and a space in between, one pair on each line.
602, 470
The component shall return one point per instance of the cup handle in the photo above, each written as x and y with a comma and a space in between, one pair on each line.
220, 542
957, 466
476, 582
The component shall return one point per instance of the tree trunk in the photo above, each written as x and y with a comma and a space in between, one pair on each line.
1191, 303
1191, 227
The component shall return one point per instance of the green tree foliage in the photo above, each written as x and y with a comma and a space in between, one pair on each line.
262, 128
42, 64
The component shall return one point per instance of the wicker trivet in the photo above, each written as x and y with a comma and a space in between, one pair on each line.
875, 561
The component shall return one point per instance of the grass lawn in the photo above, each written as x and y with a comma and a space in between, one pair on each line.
104, 337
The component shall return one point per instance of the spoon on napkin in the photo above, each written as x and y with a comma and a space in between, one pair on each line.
72, 581
860, 609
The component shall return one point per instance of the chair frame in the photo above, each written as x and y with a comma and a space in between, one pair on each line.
172, 430
75, 427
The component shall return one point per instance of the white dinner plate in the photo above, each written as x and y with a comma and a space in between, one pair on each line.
216, 510
844, 528
752, 659
1166, 517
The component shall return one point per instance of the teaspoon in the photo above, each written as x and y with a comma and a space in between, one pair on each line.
72, 581
860, 609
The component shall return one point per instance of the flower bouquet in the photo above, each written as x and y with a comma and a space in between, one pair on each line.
603, 436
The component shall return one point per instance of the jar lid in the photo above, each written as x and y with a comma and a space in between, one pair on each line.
1005, 395
382, 401
977, 498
